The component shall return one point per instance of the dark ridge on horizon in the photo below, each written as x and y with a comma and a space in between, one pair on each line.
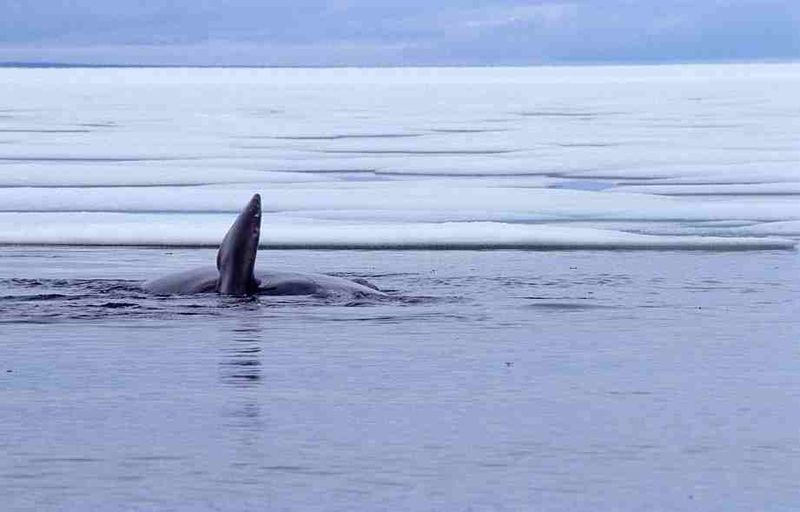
45, 65
560, 63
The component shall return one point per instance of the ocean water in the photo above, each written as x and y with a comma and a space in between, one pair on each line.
592, 277
492, 380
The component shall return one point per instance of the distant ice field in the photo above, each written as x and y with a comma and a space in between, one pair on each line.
616, 157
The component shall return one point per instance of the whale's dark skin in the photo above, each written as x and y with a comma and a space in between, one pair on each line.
236, 259
236, 275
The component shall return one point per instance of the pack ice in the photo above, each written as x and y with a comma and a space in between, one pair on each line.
638, 157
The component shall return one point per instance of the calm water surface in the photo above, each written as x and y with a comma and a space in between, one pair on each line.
489, 381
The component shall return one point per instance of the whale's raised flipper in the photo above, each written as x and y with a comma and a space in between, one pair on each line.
236, 258
235, 273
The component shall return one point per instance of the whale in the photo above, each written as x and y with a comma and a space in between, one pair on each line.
235, 273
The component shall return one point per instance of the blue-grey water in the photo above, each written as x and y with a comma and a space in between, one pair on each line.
498, 380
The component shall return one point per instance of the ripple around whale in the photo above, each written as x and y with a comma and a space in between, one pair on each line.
55, 300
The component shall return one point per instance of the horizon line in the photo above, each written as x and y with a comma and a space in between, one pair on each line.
590, 63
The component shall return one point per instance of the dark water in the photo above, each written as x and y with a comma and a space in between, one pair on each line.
490, 381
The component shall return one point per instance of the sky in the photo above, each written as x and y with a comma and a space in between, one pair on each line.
396, 32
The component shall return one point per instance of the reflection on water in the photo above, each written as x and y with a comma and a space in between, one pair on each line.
240, 367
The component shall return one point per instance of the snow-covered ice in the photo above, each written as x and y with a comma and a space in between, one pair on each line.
283, 233
673, 157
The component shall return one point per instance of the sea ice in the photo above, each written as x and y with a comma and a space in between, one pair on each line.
607, 157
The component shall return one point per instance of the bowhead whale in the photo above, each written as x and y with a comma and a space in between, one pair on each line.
235, 273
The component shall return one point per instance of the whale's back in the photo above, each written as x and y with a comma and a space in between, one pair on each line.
198, 280
275, 282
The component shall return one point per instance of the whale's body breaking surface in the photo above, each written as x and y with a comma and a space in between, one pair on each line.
205, 280
235, 273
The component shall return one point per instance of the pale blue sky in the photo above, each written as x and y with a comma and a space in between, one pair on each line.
407, 32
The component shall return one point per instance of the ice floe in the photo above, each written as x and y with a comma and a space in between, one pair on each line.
283, 233
616, 157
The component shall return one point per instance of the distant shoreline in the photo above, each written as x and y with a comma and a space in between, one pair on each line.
84, 65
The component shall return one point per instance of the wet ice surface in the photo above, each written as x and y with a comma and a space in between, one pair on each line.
495, 380
404, 158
